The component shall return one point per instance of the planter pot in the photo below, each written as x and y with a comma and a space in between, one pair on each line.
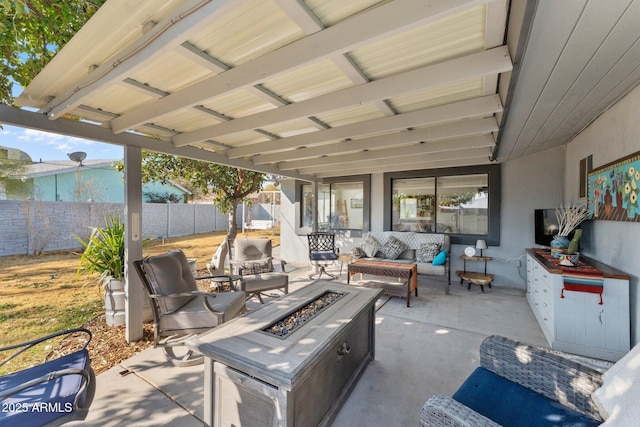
114, 302
559, 244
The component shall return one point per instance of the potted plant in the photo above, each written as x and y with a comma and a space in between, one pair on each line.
104, 254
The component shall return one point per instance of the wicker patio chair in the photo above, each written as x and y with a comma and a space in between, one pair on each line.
542, 373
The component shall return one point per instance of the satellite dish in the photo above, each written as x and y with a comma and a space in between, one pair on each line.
78, 156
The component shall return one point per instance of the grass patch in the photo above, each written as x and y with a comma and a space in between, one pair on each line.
42, 294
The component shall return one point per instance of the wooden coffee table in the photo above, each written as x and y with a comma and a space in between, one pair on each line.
388, 269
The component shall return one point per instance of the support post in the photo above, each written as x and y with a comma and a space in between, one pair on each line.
134, 293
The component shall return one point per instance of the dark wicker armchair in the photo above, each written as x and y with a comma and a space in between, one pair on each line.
517, 384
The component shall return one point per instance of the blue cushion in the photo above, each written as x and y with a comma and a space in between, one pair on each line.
44, 402
441, 258
511, 404
323, 256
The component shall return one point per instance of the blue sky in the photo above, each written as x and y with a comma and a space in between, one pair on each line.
49, 146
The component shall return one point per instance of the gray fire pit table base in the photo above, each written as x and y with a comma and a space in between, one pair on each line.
257, 378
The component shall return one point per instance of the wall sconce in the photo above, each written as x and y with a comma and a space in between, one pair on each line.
481, 244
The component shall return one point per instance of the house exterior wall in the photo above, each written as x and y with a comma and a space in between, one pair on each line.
97, 184
614, 135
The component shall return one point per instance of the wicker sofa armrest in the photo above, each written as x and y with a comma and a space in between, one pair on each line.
445, 411
563, 380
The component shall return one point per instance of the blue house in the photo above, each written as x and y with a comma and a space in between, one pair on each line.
96, 180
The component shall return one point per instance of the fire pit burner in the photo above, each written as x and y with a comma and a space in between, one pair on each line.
292, 321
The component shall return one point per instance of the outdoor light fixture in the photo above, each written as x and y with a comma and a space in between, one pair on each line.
481, 244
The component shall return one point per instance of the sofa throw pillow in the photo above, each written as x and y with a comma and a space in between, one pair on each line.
253, 267
357, 253
427, 252
441, 258
370, 247
393, 247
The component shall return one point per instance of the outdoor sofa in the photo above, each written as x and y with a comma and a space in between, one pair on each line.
521, 385
429, 251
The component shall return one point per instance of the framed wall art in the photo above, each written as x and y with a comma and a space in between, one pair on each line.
613, 190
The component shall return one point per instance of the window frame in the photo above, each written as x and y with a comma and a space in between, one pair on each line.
493, 172
366, 204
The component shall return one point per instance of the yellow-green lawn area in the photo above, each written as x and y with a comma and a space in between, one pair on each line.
43, 294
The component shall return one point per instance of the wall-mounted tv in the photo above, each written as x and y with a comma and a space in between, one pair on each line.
545, 226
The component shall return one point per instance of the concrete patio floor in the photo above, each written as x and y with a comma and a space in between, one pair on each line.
429, 348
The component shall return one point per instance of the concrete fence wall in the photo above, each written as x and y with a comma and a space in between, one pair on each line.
28, 227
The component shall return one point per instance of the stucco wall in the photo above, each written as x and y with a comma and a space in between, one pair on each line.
613, 135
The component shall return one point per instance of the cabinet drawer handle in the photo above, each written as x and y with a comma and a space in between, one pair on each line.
344, 349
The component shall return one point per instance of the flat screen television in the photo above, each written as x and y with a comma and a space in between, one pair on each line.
546, 226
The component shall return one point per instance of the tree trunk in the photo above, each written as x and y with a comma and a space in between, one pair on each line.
233, 225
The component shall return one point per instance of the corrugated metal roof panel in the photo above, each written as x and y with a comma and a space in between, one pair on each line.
117, 98
308, 82
349, 115
438, 96
239, 104
291, 128
448, 38
242, 138
331, 12
186, 120
177, 73
247, 32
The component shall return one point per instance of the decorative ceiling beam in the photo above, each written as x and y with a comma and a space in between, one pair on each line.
31, 120
417, 160
167, 34
434, 133
416, 149
478, 107
382, 168
370, 26
492, 61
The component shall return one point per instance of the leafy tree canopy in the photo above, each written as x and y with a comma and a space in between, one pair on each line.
32, 32
229, 185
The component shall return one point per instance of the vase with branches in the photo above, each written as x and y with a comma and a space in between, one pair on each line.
569, 217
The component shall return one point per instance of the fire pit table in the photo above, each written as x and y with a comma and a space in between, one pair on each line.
292, 362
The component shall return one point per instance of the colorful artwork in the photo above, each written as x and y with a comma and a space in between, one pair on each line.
613, 190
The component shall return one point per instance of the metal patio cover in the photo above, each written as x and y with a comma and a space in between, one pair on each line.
322, 88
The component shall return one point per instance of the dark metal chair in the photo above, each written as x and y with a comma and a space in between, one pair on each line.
180, 310
253, 261
322, 252
52, 393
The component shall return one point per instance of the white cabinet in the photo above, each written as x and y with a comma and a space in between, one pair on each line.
578, 323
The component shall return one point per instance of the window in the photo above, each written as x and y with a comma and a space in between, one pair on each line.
342, 204
463, 202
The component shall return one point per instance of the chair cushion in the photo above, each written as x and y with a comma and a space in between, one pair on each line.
427, 252
393, 247
265, 282
58, 395
194, 316
252, 249
323, 256
170, 274
510, 404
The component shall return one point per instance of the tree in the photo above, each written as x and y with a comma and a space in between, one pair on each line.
32, 32
229, 185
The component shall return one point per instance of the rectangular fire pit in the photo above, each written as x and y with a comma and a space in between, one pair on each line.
269, 368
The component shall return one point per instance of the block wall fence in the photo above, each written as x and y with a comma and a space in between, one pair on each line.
28, 227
